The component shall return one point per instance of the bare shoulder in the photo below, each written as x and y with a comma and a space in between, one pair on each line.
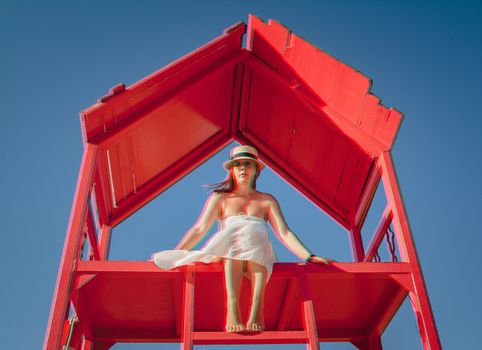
268, 197
216, 197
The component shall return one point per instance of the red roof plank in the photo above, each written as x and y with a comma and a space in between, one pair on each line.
102, 116
342, 91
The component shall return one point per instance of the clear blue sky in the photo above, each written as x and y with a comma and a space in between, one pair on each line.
58, 57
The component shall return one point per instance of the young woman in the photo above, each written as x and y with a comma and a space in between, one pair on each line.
242, 240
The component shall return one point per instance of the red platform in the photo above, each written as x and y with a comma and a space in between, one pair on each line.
135, 302
314, 121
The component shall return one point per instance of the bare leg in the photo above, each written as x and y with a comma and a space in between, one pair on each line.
258, 284
233, 273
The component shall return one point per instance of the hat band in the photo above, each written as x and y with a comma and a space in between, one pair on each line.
244, 154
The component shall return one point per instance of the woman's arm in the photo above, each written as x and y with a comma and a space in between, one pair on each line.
284, 233
205, 221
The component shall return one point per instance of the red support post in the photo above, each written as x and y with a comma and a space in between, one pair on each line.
309, 315
368, 194
357, 250
104, 241
60, 300
91, 235
188, 319
420, 301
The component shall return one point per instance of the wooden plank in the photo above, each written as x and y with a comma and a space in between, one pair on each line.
265, 337
357, 250
104, 241
280, 270
60, 302
165, 79
91, 235
368, 194
119, 131
188, 317
421, 302
309, 315
310, 325
223, 338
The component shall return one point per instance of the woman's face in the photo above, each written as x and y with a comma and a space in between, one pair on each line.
244, 171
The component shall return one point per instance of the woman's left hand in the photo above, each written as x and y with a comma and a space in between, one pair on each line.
320, 260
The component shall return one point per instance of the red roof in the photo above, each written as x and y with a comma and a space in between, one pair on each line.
312, 118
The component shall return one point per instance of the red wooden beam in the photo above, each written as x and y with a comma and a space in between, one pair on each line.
265, 337
188, 317
241, 84
101, 195
377, 238
104, 241
309, 315
357, 250
367, 194
280, 270
60, 300
223, 338
91, 235
420, 300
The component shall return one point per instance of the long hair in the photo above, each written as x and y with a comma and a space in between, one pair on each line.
227, 185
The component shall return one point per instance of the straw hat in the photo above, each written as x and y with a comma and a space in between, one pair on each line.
244, 152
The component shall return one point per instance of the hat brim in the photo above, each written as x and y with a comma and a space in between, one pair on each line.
228, 163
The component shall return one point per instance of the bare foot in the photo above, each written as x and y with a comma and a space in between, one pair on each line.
255, 323
254, 326
233, 325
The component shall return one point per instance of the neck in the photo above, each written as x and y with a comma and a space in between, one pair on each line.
244, 189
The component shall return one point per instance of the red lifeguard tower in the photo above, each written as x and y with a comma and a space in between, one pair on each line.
314, 122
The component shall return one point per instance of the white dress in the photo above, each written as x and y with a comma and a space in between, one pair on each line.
242, 237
